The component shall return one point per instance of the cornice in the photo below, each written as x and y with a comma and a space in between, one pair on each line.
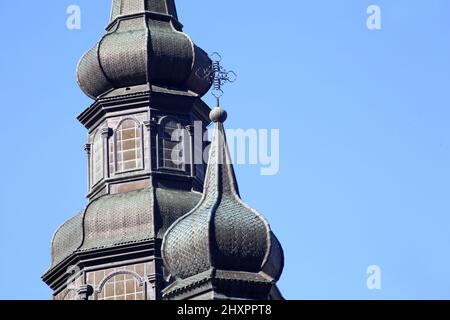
56, 277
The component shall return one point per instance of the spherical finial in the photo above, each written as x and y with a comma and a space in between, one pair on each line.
218, 115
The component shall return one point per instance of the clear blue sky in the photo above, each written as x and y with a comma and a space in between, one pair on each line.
363, 116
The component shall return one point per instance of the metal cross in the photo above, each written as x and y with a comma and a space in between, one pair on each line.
218, 76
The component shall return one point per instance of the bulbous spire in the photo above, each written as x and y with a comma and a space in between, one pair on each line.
144, 44
221, 232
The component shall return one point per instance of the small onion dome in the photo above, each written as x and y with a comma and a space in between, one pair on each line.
221, 232
144, 44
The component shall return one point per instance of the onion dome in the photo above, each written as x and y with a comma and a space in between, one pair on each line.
221, 234
144, 44
120, 219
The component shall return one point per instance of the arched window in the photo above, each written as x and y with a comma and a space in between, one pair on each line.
97, 159
172, 146
128, 146
122, 286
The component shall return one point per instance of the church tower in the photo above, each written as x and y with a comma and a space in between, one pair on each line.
146, 180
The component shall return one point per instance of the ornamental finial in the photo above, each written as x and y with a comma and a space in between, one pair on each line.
218, 76
218, 115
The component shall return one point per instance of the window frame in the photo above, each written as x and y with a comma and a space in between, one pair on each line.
139, 282
94, 182
161, 140
139, 129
